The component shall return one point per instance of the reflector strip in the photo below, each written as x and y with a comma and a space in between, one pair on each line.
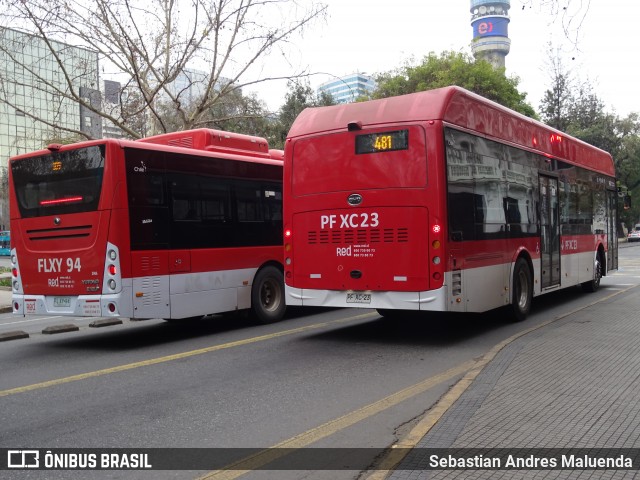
399, 279
315, 275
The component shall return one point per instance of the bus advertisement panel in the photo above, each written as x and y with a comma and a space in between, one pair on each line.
441, 201
173, 226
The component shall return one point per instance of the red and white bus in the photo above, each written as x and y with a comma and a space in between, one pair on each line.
174, 226
441, 201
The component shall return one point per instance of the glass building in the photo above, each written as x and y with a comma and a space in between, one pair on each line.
32, 87
347, 89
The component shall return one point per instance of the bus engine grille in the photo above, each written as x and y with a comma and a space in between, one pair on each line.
358, 236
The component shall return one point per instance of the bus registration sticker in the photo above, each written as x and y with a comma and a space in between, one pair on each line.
62, 302
358, 298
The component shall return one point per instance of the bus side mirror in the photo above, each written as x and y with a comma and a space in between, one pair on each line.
626, 202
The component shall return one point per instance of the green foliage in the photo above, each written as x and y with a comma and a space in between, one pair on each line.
239, 113
455, 68
62, 139
299, 97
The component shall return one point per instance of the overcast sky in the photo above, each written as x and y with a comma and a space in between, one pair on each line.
374, 36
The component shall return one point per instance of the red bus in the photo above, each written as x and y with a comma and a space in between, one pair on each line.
174, 226
441, 201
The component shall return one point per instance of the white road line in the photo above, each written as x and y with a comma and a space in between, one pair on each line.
28, 321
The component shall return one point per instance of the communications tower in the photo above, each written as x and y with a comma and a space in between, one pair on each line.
490, 23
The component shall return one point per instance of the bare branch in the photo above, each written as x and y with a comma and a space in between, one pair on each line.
149, 47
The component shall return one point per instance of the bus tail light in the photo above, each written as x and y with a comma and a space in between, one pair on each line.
288, 247
16, 282
112, 280
436, 260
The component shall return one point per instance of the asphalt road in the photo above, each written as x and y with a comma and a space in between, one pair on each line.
321, 378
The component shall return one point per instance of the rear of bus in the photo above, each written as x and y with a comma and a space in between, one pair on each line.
61, 202
364, 210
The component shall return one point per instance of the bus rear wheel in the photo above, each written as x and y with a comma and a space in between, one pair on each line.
522, 290
267, 295
593, 285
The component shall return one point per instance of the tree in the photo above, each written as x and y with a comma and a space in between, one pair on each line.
454, 68
299, 97
570, 13
152, 43
556, 101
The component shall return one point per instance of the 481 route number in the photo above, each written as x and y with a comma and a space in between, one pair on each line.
350, 220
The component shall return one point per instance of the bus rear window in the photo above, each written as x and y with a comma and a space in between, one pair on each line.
362, 160
59, 183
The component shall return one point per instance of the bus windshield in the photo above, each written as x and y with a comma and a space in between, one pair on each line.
59, 183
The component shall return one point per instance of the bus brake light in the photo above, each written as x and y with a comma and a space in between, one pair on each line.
58, 201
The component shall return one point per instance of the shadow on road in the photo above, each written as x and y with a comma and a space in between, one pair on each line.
421, 329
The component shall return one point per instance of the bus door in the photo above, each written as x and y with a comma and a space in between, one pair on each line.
612, 234
550, 232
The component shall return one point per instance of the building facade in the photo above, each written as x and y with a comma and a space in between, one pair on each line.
490, 23
347, 89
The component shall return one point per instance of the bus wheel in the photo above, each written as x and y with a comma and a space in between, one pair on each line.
522, 290
267, 295
594, 284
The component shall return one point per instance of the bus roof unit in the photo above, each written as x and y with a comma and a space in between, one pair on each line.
214, 141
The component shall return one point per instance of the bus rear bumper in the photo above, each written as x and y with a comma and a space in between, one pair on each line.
430, 300
116, 305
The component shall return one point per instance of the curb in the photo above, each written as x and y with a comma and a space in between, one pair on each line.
16, 335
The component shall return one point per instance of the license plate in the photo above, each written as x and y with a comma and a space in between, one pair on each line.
358, 298
61, 301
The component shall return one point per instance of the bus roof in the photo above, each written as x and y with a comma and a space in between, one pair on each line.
221, 143
456, 106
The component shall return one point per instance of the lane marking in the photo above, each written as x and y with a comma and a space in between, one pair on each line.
254, 462
179, 356
32, 320
401, 448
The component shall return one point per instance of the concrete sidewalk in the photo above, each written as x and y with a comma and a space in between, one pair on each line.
572, 384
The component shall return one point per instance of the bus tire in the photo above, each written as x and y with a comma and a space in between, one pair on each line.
593, 284
267, 295
522, 289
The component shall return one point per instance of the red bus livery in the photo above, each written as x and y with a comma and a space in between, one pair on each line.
441, 201
173, 226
